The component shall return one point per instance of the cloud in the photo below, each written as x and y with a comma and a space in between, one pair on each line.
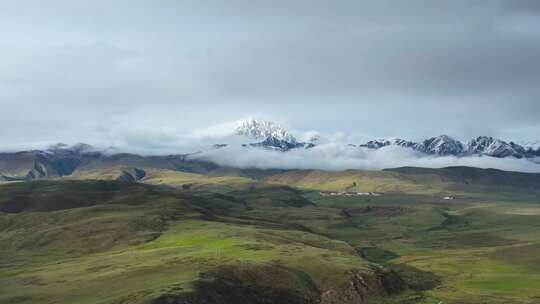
215, 131
336, 157
75, 71
310, 136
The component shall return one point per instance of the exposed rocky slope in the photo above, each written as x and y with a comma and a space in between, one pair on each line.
275, 284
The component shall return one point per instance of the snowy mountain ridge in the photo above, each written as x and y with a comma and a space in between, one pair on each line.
444, 145
260, 129
273, 136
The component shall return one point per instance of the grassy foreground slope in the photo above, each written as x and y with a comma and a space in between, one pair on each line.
117, 242
480, 250
469, 250
231, 239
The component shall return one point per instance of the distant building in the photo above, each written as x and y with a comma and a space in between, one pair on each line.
348, 193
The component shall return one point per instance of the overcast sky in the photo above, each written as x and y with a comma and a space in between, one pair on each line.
145, 73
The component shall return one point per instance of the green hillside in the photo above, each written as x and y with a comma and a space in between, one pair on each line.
410, 180
352, 180
152, 235
116, 242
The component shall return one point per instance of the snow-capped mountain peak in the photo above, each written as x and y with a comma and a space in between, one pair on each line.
383, 142
479, 144
271, 135
486, 145
260, 129
442, 145
377, 143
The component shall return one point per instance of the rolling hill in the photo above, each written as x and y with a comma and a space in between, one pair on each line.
410, 180
117, 242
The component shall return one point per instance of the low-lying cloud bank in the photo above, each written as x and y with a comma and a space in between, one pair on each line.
336, 157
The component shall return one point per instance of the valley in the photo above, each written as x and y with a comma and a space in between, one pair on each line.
140, 231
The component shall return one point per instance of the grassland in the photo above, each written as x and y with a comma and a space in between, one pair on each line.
195, 181
481, 251
469, 250
132, 243
220, 180
116, 242
170, 263
462, 181
351, 180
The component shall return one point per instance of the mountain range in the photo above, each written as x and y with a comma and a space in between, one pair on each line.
64, 160
275, 137
445, 145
